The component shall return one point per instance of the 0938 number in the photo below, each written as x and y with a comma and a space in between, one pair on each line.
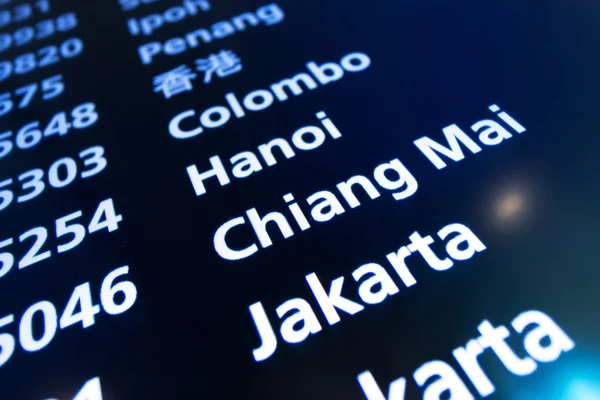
39, 31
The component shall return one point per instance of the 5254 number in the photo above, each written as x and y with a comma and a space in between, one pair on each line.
105, 217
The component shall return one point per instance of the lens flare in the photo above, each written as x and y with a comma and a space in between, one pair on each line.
582, 390
509, 206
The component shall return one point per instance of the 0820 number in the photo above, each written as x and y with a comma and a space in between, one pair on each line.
45, 56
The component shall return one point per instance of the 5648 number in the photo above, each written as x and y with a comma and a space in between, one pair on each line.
30, 135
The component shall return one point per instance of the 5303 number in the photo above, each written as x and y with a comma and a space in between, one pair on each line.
60, 174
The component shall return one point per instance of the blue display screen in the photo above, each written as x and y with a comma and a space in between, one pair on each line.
299, 200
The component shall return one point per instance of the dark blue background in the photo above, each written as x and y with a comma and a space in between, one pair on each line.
434, 63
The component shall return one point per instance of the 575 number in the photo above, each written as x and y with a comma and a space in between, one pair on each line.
50, 88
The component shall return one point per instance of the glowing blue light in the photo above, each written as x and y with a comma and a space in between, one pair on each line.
582, 390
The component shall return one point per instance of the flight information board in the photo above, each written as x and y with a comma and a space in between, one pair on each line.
219, 199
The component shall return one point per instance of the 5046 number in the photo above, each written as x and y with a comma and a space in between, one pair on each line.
80, 309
